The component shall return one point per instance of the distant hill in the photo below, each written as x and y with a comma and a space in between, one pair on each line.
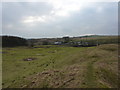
91, 36
11, 41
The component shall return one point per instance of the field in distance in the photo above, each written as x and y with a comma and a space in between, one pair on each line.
54, 66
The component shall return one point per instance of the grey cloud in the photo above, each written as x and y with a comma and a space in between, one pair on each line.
86, 21
13, 11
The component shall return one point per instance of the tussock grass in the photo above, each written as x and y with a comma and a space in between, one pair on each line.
109, 47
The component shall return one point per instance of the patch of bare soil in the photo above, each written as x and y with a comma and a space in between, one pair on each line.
29, 59
70, 77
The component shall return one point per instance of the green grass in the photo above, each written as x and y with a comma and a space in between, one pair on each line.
99, 39
90, 79
77, 67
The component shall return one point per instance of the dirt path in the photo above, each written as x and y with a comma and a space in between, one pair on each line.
90, 79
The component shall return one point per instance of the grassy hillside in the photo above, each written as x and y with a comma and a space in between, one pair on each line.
60, 67
98, 39
93, 39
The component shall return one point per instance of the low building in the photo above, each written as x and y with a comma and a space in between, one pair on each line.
57, 43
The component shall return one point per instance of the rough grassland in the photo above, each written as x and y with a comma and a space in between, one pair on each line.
60, 67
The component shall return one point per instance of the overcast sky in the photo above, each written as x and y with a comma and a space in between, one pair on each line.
59, 18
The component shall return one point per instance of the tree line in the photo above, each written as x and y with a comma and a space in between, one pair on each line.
12, 41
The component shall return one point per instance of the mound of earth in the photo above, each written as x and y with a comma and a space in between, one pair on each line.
70, 77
